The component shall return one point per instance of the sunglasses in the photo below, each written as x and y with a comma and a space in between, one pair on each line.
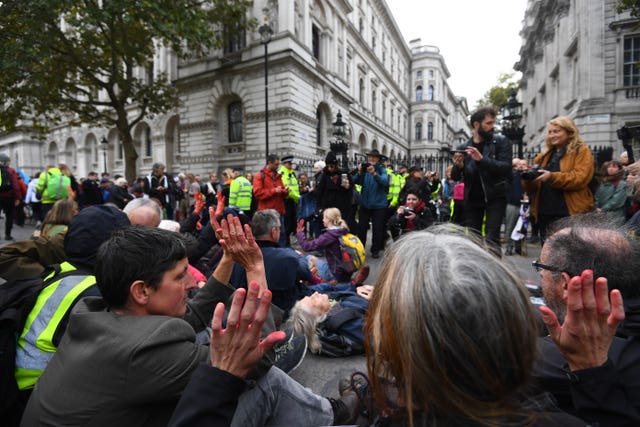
540, 266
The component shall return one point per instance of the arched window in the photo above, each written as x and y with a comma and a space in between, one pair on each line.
418, 131
430, 131
419, 93
430, 93
234, 116
361, 97
318, 128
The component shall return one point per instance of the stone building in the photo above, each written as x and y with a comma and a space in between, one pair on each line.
324, 57
579, 59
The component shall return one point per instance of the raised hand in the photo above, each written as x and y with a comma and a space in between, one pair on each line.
237, 348
590, 323
300, 226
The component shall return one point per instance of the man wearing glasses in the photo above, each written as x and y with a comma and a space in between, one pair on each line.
591, 373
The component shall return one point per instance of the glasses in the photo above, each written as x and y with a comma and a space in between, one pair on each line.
540, 266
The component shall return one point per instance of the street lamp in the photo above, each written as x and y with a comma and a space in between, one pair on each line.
104, 145
266, 32
338, 145
511, 115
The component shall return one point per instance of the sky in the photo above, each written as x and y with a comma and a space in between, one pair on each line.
479, 39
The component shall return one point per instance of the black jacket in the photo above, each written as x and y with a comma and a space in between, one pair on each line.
494, 168
329, 193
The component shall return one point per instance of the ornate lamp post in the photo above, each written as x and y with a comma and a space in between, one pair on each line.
266, 32
338, 145
104, 147
511, 116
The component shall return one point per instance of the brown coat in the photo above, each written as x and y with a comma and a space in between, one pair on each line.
576, 170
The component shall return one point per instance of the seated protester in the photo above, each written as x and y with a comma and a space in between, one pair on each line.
611, 194
328, 241
126, 357
58, 218
284, 268
413, 215
332, 318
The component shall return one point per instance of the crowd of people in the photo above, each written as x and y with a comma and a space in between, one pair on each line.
177, 301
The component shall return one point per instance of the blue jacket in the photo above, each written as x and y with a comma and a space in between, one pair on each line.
374, 188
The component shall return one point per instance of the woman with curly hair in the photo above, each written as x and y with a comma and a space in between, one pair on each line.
561, 184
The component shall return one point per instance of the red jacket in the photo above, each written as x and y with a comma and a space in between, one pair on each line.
264, 189
15, 191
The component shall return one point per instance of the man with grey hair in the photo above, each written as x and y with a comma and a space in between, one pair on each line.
144, 212
283, 266
161, 187
10, 193
590, 379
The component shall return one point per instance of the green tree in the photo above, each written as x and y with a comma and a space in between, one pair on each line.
78, 61
498, 95
632, 6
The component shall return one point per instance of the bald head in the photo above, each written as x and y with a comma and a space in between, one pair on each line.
143, 212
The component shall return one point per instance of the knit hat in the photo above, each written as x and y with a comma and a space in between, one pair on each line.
331, 158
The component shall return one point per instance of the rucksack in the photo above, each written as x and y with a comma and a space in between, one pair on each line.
334, 331
352, 254
17, 299
5, 179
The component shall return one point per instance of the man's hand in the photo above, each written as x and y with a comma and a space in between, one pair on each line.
458, 160
371, 169
238, 348
300, 226
474, 153
590, 323
544, 175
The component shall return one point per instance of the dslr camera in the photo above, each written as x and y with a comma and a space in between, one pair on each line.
531, 173
407, 211
364, 166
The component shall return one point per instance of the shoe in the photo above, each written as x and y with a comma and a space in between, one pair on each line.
290, 353
348, 411
375, 255
361, 275
8, 238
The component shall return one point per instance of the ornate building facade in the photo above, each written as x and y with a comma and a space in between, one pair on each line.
580, 59
324, 57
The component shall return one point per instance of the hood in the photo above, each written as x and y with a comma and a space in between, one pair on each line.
88, 230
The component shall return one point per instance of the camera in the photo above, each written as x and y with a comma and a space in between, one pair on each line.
531, 173
407, 211
364, 166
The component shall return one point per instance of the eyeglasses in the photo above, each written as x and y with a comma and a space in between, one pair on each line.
540, 266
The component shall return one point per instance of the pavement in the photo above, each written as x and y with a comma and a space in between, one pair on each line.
322, 374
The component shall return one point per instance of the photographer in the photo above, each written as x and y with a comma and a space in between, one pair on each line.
412, 216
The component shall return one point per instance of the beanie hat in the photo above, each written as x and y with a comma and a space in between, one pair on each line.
331, 158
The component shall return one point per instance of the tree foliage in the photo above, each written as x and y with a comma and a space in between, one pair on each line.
498, 95
632, 6
83, 61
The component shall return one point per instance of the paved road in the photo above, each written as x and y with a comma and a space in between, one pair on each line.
322, 374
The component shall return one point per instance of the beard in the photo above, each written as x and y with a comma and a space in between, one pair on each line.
484, 134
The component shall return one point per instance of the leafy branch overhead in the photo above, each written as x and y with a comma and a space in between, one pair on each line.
85, 61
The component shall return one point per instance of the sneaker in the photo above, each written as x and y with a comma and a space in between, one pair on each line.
361, 275
290, 353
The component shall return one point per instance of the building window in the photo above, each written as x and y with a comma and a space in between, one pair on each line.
430, 131
419, 75
374, 99
234, 39
361, 26
315, 41
631, 59
419, 93
430, 93
361, 96
430, 74
384, 110
148, 147
234, 115
418, 131
318, 128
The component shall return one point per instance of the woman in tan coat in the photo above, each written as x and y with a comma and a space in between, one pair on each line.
561, 187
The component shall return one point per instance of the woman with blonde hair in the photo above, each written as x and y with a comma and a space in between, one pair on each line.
58, 218
561, 183
227, 177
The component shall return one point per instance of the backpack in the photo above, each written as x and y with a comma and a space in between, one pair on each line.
352, 254
5, 179
334, 341
17, 299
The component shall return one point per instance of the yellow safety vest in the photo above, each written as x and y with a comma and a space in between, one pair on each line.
240, 194
35, 345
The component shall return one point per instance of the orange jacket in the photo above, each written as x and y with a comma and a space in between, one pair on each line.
576, 171
264, 189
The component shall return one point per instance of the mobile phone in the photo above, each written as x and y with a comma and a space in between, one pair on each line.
458, 151
345, 179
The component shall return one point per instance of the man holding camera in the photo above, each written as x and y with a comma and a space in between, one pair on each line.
484, 163
413, 215
373, 200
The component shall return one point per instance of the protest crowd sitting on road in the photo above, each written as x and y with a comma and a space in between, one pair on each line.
206, 324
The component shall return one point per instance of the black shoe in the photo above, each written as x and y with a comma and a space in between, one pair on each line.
375, 255
8, 238
290, 353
